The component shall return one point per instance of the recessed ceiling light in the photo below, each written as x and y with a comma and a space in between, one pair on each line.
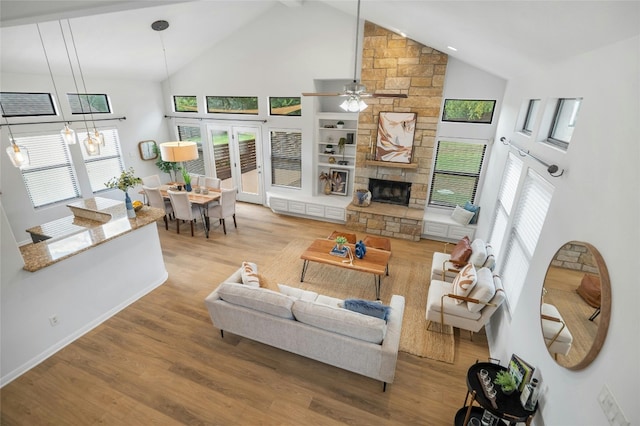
452, 48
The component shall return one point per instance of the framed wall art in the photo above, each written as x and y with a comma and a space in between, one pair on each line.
395, 136
339, 181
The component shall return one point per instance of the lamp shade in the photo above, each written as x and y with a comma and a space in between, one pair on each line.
178, 151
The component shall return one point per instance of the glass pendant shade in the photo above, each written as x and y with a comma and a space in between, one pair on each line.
69, 135
353, 104
99, 136
91, 145
18, 155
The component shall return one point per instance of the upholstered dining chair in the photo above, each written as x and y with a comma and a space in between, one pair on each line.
182, 208
226, 208
380, 243
155, 199
196, 179
351, 238
152, 181
210, 182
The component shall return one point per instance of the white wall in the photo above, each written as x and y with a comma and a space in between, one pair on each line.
595, 201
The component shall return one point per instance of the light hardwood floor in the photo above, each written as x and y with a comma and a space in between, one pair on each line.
161, 361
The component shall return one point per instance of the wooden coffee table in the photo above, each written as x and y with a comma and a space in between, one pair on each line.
374, 262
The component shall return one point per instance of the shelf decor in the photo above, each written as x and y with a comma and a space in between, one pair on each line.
339, 180
395, 136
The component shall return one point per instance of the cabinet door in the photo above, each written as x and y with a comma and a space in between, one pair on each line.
278, 204
435, 228
315, 210
296, 207
334, 213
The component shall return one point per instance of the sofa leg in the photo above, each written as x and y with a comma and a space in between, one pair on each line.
384, 386
222, 333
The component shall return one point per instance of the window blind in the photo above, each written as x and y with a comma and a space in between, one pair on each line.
504, 204
286, 158
50, 178
192, 134
108, 164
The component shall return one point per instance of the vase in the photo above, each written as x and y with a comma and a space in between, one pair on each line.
187, 187
131, 213
362, 198
507, 392
327, 188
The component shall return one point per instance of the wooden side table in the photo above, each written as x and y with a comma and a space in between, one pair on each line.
507, 407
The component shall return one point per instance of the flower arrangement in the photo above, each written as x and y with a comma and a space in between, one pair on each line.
186, 176
126, 180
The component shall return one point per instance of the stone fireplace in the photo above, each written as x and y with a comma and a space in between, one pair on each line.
395, 64
389, 191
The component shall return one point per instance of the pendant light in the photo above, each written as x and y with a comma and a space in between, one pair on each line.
94, 139
19, 155
67, 133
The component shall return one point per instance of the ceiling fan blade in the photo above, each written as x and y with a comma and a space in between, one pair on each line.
323, 94
389, 95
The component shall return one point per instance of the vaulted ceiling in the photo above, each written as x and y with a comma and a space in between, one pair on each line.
506, 38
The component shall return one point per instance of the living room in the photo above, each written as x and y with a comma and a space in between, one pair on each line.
604, 74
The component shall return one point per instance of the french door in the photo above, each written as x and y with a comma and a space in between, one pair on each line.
236, 152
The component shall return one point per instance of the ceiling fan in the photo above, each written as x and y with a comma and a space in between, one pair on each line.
354, 92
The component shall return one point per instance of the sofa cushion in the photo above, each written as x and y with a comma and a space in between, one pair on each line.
259, 299
478, 253
367, 307
250, 274
298, 293
328, 300
437, 289
461, 252
464, 282
484, 290
341, 321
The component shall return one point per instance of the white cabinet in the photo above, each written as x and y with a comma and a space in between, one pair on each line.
440, 226
336, 145
330, 209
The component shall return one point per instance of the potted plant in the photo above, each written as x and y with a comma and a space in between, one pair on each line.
166, 166
341, 143
340, 124
187, 179
326, 178
506, 382
340, 242
126, 180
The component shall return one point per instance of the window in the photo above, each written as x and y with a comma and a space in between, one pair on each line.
86, 103
285, 106
232, 104
530, 118
286, 158
108, 164
468, 111
456, 172
506, 197
524, 230
192, 134
564, 122
19, 104
50, 178
185, 104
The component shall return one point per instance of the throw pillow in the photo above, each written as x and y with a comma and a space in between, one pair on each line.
464, 282
478, 253
462, 216
461, 252
267, 283
249, 274
298, 293
589, 290
476, 211
483, 291
367, 307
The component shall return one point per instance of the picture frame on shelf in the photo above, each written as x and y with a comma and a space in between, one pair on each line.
395, 136
339, 181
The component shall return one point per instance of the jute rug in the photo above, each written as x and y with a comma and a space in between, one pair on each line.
407, 278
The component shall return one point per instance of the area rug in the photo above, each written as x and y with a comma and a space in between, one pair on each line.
407, 278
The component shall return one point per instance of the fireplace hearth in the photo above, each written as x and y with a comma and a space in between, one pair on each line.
389, 191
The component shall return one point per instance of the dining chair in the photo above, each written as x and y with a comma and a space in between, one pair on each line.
351, 238
196, 179
152, 181
155, 199
211, 182
182, 208
226, 208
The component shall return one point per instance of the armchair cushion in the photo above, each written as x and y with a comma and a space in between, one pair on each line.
437, 289
464, 282
461, 252
478, 253
484, 290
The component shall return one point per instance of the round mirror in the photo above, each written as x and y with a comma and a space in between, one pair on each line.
576, 305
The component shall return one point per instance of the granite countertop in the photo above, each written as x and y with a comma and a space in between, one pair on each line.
81, 234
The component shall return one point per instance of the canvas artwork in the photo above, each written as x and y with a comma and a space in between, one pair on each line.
339, 179
395, 136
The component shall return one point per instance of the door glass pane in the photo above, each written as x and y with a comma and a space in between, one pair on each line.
248, 169
221, 155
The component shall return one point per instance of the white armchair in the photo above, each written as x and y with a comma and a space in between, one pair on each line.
557, 336
471, 312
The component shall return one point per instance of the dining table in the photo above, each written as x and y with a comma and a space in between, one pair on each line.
199, 199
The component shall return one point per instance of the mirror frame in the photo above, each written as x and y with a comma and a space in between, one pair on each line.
605, 309
147, 152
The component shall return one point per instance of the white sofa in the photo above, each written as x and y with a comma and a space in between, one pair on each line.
310, 325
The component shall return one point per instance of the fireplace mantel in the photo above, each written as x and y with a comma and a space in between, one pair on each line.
391, 164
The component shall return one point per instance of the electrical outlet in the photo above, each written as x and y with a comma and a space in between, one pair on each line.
53, 320
610, 407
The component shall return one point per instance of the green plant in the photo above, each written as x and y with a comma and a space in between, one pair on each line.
186, 176
166, 166
505, 380
340, 122
340, 240
341, 144
126, 180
